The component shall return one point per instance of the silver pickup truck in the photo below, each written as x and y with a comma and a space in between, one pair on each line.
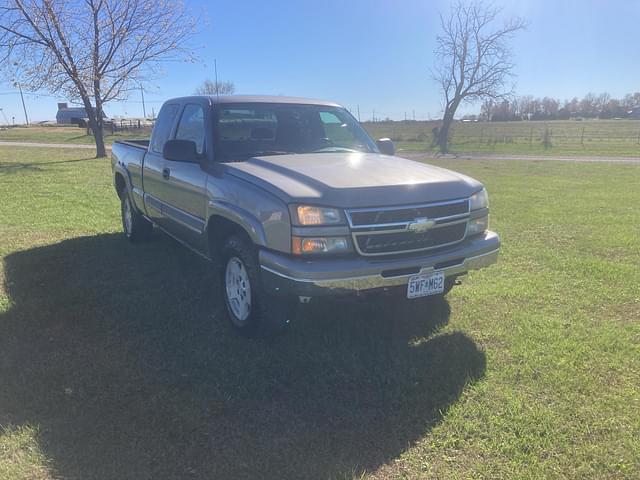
291, 199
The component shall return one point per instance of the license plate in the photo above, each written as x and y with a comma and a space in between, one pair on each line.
425, 284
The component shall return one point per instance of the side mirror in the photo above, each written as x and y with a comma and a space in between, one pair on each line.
386, 146
180, 151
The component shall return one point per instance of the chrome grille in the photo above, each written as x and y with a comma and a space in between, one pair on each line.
368, 217
390, 230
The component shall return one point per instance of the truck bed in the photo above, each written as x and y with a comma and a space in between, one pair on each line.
135, 143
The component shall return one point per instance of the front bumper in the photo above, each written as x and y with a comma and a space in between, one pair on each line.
285, 274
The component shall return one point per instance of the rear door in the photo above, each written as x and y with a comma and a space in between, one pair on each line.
154, 164
184, 199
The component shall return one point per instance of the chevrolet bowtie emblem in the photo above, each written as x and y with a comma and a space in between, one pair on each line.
421, 225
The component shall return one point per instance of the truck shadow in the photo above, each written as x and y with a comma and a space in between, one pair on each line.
120, 355
14, 167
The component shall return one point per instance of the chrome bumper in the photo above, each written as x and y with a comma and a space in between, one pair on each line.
282, 274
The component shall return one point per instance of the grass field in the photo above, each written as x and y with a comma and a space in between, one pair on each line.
593, 137
70, 135
115, 361
586, 138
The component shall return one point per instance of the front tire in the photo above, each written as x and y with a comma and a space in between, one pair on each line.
251, 311
136, 228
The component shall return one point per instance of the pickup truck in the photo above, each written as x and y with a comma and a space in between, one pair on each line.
291, 199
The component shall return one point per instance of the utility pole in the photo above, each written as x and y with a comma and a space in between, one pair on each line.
358, 107
374, 115
24, 107
144, 109
414, 115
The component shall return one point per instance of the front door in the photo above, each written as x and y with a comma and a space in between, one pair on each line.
153, 176
184, 196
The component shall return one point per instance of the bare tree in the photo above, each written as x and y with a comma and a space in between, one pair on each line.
210, 87
550, 107
473, 59
91, 51
589, 105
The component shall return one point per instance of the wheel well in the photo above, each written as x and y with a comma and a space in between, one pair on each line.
218, 230
121, 185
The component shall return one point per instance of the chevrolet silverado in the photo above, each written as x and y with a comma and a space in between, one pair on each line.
291, 199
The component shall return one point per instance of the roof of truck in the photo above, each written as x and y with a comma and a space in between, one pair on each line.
258, 99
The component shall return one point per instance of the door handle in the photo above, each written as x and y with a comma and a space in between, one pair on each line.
166, 173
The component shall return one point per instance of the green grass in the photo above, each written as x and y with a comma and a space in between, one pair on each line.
116, 361
573, 138
586, 138
68, 135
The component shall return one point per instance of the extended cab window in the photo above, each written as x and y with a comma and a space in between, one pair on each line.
191, 126
162, 128
247, 130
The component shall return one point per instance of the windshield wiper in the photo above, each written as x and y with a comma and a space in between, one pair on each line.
337, 150
266, 153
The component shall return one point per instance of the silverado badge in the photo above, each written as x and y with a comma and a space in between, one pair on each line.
421, 225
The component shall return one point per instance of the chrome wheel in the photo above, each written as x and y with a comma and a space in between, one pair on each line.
127, 216
238, 289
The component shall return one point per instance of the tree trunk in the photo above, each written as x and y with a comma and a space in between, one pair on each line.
443, 133
95, 124
447, 120
98, 135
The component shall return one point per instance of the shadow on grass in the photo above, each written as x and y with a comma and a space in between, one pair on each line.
122, 356
13, 167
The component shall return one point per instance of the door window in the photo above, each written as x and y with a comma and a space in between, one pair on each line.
162, 128
191, 126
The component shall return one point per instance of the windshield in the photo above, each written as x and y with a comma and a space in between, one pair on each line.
250, 130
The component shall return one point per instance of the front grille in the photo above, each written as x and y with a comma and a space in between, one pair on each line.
410, 241
387, 231
409, 214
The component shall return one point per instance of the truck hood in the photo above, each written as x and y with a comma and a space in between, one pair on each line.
353, 179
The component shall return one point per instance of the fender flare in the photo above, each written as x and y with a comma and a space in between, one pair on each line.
128, 187
250, 224
118, 169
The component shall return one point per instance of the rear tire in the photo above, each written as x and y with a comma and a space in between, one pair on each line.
136, 228
251, 311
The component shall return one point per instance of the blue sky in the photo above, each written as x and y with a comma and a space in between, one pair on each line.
376, 54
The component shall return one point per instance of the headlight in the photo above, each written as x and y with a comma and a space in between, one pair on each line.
479, 200
315, 245
308, 215
478, 225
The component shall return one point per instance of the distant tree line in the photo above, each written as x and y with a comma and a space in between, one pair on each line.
210, 87
531, 108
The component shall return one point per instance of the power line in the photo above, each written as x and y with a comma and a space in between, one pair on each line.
6, 121
29, 94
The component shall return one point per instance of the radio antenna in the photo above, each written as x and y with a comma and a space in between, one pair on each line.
215, 70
